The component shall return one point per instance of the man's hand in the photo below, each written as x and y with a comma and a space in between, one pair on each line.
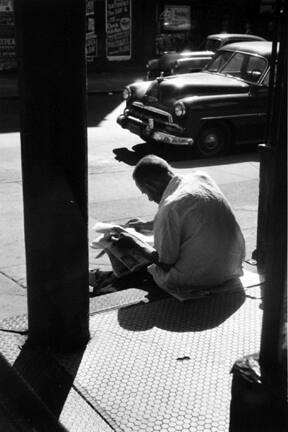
139, 225
125, 240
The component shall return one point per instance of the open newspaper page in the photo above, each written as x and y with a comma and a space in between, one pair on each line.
124, 259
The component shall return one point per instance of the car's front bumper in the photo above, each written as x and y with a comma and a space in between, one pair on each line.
148, 131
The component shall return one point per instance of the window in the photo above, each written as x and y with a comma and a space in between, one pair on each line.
240, 65
218, 61
234, 65
255, 68
212, 44
176, 18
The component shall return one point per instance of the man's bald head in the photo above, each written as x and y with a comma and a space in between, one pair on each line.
151, 167
152, 175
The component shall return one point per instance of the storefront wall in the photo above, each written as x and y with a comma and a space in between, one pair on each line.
127, 33
130, 32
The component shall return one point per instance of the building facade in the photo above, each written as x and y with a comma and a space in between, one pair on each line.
121, 33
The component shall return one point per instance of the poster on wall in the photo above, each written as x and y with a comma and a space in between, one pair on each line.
176, 18
118, 29
91, 37
7, 36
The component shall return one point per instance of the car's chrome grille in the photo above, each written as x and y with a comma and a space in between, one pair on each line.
144, 112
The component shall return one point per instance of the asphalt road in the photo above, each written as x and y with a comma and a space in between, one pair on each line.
113, 196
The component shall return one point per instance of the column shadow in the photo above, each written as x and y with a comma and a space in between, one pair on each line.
48, 379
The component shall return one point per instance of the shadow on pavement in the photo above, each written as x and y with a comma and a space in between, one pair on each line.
173, 315
182, 157
9, 115
98, 107
47, 378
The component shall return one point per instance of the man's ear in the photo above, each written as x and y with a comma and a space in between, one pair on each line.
151, 186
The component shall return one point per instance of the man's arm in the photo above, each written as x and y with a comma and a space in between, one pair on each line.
155, 259
125, 240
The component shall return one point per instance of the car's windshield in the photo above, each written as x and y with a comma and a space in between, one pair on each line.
212, 44
248, 67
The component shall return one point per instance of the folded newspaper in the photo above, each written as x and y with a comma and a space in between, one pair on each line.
125, 258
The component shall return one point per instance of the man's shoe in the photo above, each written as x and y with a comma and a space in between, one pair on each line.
98, 278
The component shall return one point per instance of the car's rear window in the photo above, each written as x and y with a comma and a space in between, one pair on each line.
212, 44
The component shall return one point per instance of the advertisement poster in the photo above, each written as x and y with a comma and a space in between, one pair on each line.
176, 18
91, 37
118, 29
7, 36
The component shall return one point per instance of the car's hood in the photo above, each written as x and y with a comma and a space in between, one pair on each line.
167, 90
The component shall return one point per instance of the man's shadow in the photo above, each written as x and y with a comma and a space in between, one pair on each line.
191, 315
182, 155
169, 153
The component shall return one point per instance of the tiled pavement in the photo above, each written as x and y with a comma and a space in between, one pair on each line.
149, 366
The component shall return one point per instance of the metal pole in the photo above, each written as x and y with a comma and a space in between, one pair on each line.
50, 40
267, 154
272, 353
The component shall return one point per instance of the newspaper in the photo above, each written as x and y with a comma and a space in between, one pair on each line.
125, 259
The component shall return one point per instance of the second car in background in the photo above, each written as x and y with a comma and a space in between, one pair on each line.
171, 63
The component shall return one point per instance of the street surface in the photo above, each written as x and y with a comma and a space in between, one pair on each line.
113, 196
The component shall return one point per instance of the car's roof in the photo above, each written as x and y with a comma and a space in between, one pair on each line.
222, 36
263, 48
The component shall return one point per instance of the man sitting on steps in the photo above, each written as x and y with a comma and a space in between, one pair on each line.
198, 241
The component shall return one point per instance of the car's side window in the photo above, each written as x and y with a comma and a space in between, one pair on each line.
255, 68
266, 79
244, 66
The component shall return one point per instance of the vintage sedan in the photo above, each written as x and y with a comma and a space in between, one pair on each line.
173, 62
211, 110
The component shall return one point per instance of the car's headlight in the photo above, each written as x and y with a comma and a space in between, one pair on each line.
179, 109
126, 94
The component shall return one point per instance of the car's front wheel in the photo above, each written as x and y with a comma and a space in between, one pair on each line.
212, 141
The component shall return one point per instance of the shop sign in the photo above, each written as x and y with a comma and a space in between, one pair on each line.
6, 6
118, 29
176, 18
91, 47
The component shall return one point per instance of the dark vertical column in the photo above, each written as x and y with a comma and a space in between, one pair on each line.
260, 403
50, 38
267, 153
271, 353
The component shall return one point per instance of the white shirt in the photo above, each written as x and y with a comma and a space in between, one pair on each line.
195, 231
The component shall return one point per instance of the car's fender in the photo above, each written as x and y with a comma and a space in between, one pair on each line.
210, 108
136, 91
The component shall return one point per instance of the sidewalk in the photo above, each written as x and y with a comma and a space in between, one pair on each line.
150, 366
105, 82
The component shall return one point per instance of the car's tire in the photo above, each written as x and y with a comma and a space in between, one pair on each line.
213, 140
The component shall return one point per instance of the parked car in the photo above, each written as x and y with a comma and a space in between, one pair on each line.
171, 63
223, 105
